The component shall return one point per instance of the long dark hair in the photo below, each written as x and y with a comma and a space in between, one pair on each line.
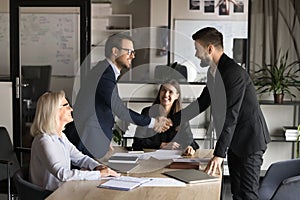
177, 103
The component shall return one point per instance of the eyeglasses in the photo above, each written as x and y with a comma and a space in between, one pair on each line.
129, 51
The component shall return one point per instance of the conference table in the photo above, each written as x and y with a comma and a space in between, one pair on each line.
88, 190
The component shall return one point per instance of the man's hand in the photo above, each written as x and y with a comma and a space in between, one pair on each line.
214, 164
162, 124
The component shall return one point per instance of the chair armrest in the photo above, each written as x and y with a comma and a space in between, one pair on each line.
291, 180
6, 162
288, 189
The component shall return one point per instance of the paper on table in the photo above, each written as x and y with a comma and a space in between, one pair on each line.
163, 182
163, 154
128, 154
124, 183
160, 154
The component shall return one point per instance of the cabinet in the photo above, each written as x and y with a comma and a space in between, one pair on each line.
277, 116
104, 24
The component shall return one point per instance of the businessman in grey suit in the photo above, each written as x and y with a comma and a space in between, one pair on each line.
98, 100
240, 126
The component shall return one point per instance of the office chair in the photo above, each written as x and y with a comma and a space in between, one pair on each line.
35, 81
26, 189
175, 71
282, 181
8, 164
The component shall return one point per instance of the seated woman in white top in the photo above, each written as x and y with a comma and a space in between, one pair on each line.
51, 151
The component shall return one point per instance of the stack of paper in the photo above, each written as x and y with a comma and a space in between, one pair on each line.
291, 133
188, 163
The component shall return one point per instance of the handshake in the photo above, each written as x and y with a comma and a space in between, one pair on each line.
162, 124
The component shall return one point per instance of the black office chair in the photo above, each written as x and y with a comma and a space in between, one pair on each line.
174, 71
282, 181
8, 164
36, 81
26, 189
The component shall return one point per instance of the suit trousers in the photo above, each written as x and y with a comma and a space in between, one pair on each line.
244, 175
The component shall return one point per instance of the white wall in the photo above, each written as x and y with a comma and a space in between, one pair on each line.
6, 116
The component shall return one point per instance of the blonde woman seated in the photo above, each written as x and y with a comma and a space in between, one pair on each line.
51, 151
168, 101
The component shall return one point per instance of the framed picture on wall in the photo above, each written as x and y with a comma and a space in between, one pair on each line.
194, 4
209, 6
228, 16
219, 8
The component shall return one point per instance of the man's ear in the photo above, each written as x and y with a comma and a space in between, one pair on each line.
210, 48
115, 51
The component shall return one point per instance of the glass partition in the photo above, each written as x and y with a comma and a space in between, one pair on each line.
4, 40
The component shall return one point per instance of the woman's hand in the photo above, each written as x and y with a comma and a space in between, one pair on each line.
169, 145
106, 171
189, 151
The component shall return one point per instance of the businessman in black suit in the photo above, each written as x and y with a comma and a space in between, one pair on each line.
240, 126
98, 100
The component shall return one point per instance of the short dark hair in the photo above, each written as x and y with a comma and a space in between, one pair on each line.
115, 40
209, 35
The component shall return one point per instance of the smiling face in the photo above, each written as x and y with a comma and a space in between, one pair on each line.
203, 54
124, 55
65, 112
168, 94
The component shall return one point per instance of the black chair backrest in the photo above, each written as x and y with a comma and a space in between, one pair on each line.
38, 79
7, 153
175, 71
277, 173
27, 190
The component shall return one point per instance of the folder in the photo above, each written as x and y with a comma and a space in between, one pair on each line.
123, 159
190, 176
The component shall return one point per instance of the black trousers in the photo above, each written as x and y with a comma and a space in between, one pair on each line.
244, 175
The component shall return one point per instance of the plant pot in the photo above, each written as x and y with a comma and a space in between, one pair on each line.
278, 98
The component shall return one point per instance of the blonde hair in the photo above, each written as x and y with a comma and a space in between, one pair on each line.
46, 115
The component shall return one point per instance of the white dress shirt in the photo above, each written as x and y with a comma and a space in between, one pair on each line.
117, 74
50, 163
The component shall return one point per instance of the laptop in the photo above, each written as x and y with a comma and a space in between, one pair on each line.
191, 176
122, 167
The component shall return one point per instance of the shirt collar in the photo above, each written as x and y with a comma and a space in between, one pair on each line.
116, 70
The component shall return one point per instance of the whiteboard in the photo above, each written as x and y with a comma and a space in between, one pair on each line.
184, 49
46, 39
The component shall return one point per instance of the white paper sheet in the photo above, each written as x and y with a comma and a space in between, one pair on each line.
163, 182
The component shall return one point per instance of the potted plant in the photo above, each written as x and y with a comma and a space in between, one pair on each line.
117, 134
278, 78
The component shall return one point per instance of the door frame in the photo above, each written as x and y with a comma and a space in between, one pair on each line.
85, 47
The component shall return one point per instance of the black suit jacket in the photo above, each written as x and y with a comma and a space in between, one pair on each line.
237, 117
148, 138
96, 104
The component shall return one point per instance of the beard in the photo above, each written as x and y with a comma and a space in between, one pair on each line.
205, 61
122, 64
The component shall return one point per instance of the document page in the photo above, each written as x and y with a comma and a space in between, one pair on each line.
163, 182
123, 183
